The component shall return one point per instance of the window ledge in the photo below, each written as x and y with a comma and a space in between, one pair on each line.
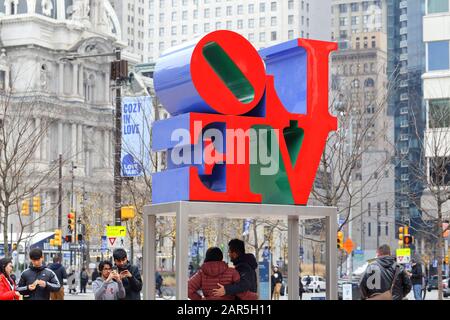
436, 74
437, 14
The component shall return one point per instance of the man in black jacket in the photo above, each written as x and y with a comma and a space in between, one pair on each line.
61, 274
245, 264
416, 279
37, 282
380, 274
130, 275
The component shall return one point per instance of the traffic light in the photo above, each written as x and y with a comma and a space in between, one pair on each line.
340, 240
71, 221
446, 259
127, 213
58, 237
37, 204
25, 208
68, 238
405, 239
119, 70
52, 242
80, 237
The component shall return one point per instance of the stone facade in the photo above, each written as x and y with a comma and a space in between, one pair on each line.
38, 39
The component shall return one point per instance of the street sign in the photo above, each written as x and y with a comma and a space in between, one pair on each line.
435, 263
104, 245
112, 242
116, 231
348, 245
74, 246
403, 255
347, 291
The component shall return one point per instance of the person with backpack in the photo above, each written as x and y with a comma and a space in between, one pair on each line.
384, 279
61, 273
84, 279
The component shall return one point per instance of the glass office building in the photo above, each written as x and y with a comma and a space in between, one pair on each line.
406, 64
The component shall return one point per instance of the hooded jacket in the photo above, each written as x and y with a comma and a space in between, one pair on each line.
60, 272
210, 274
133, 285
41, 273
6, 291
417, 274
112, 290
246, 265
378, 279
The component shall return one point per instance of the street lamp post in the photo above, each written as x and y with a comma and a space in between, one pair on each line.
60, 200
117, 76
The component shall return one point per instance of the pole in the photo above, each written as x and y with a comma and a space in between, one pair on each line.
72, 199
378, 228
118, 149
74, 238
446, 253
12, 226
350, 224
60, 200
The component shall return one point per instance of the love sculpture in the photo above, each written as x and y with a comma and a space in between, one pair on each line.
235, 111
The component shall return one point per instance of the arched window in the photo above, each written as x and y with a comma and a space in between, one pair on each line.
369, 83
11, 7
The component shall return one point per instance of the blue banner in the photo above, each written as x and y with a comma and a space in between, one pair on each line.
246, 228
136, 123
264, 280
266, 254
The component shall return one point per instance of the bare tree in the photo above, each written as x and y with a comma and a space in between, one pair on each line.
24, 122
433, 172
362, 113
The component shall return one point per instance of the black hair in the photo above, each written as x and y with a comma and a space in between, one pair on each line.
119, 254
236, 245
57, 259
3, 263
213, 254
102, 265
35, 254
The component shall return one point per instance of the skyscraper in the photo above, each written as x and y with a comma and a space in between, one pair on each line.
359, 93
152, 26
406, 64
436, 88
